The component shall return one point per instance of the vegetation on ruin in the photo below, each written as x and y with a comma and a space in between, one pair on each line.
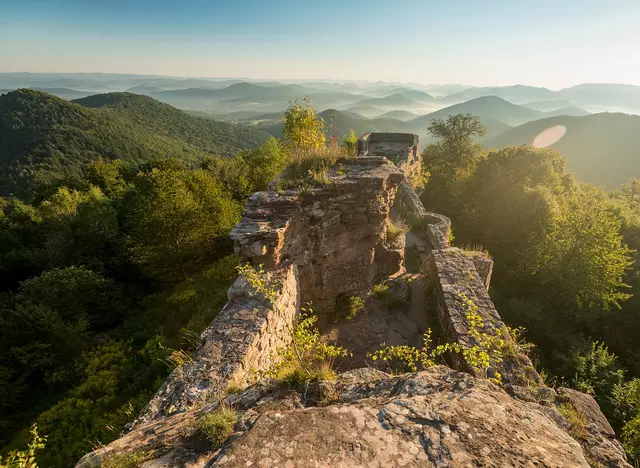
123, 460
308, 358
310, 152
483, 356
396, 228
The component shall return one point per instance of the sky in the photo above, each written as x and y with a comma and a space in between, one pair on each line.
478, 42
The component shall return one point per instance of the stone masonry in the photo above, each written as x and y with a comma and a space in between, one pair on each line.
242, 338
335, 235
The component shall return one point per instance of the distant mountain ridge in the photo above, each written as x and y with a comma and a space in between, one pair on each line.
486, 107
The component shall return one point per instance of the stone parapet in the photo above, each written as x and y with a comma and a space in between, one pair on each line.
453, 283
400, 148
240, 340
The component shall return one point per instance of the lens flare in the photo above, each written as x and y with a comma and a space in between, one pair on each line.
549, 136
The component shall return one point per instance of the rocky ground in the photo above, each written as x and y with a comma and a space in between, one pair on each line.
434, 418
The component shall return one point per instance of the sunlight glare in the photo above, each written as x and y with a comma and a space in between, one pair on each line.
549, 136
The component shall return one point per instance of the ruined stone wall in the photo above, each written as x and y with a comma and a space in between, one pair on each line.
314, 246
400, 148
240, 340
454, 282
335, 235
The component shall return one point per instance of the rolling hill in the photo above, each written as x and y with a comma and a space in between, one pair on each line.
366, 111
44, 139
546, 106
395, 101
64, 93
338, 123
399, 115
244, 96
518, 94
418, 96
600, 148
571, 110
614, 96
489, 107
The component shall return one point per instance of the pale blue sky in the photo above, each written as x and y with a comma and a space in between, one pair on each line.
491, 42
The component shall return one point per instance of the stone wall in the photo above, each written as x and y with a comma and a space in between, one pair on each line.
400, 148
241, 339
454, 283
335, 235
314, 247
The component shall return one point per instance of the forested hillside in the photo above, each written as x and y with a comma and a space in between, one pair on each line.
45, 140
565, 258
105, 287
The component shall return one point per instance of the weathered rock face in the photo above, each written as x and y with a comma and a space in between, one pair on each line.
599, 440
433, 418
314, 247
335, 235
242, 338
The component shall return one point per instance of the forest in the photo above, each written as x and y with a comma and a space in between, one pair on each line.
104, 280
110, 267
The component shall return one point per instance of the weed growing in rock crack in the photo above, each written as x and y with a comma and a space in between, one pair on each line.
233, 387
487, 349
404, 358
218, 425
308, 358
390, 299
178, 358
347, 307
395, 229
124, 460
577, 422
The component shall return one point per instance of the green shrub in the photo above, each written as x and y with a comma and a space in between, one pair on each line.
25, 458
395, 229
486, 352
597, 370
631, 440
218, 425
347, 307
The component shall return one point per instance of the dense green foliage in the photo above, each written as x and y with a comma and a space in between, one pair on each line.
46, 141
563, 266
102, 280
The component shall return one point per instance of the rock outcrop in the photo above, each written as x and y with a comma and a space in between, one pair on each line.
331, 242
438, 417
